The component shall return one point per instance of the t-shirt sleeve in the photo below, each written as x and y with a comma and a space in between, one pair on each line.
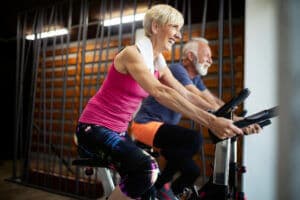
180, 74
199, 84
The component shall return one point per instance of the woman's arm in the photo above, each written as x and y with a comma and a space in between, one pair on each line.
130, 61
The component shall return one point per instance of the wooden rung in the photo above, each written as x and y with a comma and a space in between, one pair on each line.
54, 138
70, 82
90, 46
70, 92
56, 115
66, 184
211, 82
72, 71
237, 50
65, 152
58, 104
55, 126
211, 34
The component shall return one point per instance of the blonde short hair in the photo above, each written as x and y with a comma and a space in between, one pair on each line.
192, 46
162, 14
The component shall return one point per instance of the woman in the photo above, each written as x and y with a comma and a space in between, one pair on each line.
136, 72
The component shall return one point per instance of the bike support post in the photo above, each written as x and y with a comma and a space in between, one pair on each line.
221, 164
225, 166
233, 168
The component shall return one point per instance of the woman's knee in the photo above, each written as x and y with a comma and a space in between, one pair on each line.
138, 181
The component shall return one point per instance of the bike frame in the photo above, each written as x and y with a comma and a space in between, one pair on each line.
223, 185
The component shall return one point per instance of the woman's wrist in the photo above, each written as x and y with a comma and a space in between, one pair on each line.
211, 120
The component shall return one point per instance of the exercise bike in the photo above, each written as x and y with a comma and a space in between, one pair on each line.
223, 184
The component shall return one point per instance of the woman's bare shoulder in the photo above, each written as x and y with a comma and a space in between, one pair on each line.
128, 55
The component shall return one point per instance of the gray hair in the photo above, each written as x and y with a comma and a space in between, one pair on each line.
192, 46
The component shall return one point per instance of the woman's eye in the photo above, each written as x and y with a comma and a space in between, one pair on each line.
173, 26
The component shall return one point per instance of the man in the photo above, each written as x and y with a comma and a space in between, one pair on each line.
195, 62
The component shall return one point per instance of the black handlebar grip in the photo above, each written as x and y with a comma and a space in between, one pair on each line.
229, 106
264, 123
262, 118
258, 117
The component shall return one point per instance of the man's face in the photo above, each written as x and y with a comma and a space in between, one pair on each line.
203, 59
204, 53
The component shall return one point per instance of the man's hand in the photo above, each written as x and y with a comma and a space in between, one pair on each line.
251, 129
224, 128
237, 118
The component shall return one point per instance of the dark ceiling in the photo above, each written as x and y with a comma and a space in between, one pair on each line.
10, 9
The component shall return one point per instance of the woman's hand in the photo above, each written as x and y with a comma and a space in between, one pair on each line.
224, 128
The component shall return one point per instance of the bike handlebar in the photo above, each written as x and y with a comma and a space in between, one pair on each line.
259, 117
265, 123
228, 107
262, 118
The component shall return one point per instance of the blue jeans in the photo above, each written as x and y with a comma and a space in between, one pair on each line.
138, 170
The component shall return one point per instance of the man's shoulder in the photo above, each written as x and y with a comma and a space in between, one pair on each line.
176, 65
177, 68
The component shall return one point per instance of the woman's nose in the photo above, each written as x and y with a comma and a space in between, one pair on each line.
178, 35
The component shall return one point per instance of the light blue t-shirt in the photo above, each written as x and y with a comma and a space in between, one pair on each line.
151, 110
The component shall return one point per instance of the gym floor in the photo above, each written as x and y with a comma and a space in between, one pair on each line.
14, 191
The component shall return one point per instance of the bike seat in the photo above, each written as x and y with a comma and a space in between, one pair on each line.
89, 162
91, 159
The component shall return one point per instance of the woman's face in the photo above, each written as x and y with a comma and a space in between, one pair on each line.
167, 36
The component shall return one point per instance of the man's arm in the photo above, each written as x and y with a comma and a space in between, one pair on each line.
168, 79
216, 103
206, 95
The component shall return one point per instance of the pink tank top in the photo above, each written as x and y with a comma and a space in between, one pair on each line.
115, 102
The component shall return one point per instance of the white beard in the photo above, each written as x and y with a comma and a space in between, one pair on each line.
202, 68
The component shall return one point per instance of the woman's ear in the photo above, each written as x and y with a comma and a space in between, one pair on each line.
154, 27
